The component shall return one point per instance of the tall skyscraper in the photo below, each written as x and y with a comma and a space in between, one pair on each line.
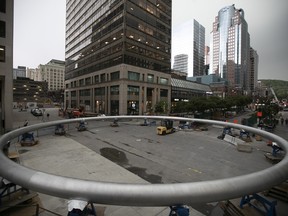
189, 39
253, 75
230, 45
6, 65
118, 55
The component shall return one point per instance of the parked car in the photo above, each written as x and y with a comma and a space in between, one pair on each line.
36, 112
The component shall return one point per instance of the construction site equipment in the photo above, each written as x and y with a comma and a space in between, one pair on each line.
114, 123
148, 123
80, 208
268, 206
143, 194
279, 192
229, 209
82, 126
275, 97
28, 139
60, 130
166, 127
226, 130
12, 194
179, 210
275, 156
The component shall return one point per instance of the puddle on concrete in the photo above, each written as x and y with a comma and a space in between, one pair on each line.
141, 172
114, 155
120, 158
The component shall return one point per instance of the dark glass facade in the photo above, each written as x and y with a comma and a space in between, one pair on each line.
101, 34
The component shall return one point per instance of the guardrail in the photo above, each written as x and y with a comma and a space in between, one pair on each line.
143, 194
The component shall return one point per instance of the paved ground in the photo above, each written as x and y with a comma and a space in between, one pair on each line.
140, 156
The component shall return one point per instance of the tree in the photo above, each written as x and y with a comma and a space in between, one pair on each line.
161, 107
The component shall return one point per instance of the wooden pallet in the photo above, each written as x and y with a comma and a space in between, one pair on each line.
17, 198
229, 209
280, 192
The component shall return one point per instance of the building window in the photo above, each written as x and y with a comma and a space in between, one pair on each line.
85, 92
2, 53
133, 90
2, 29
163, 93
73, 93
163, 81
103, 78
114, 90
133, 76
115, 76
96, 79
3, 6
99, 91
81, 82
150, 78
88, 81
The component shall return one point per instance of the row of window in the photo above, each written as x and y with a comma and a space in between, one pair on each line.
134, 76
2, 30
53, 70
114, 90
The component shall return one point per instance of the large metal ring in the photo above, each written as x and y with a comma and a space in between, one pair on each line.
143, 194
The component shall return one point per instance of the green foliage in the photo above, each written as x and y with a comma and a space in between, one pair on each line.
161, 107
280, 87
201, 104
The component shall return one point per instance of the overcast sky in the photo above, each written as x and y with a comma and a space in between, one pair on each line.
39, 30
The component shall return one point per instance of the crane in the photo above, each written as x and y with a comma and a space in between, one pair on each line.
275, 97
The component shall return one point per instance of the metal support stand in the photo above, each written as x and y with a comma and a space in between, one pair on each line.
269, 206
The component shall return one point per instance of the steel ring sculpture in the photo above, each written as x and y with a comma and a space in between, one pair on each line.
143, 194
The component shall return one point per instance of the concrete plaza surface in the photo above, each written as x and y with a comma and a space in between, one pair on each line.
60, 155
63, 156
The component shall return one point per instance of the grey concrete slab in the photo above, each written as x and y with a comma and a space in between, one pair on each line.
195, 165
63, 156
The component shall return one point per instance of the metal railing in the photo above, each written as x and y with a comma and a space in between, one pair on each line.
143, 194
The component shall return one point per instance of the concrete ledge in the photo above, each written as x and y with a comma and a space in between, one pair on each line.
244, 148
233, 140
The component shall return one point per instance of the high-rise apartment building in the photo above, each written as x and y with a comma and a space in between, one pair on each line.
118, 55
189, 39
6, 65
230, 47
53, 73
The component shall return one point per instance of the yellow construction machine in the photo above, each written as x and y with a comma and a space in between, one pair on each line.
166, 127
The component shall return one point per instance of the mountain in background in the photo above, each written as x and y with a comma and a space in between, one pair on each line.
280, 87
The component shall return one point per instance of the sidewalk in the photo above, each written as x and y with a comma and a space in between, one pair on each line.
63, 156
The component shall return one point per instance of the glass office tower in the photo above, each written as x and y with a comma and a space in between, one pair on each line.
230, 47
118, 55
189, 39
